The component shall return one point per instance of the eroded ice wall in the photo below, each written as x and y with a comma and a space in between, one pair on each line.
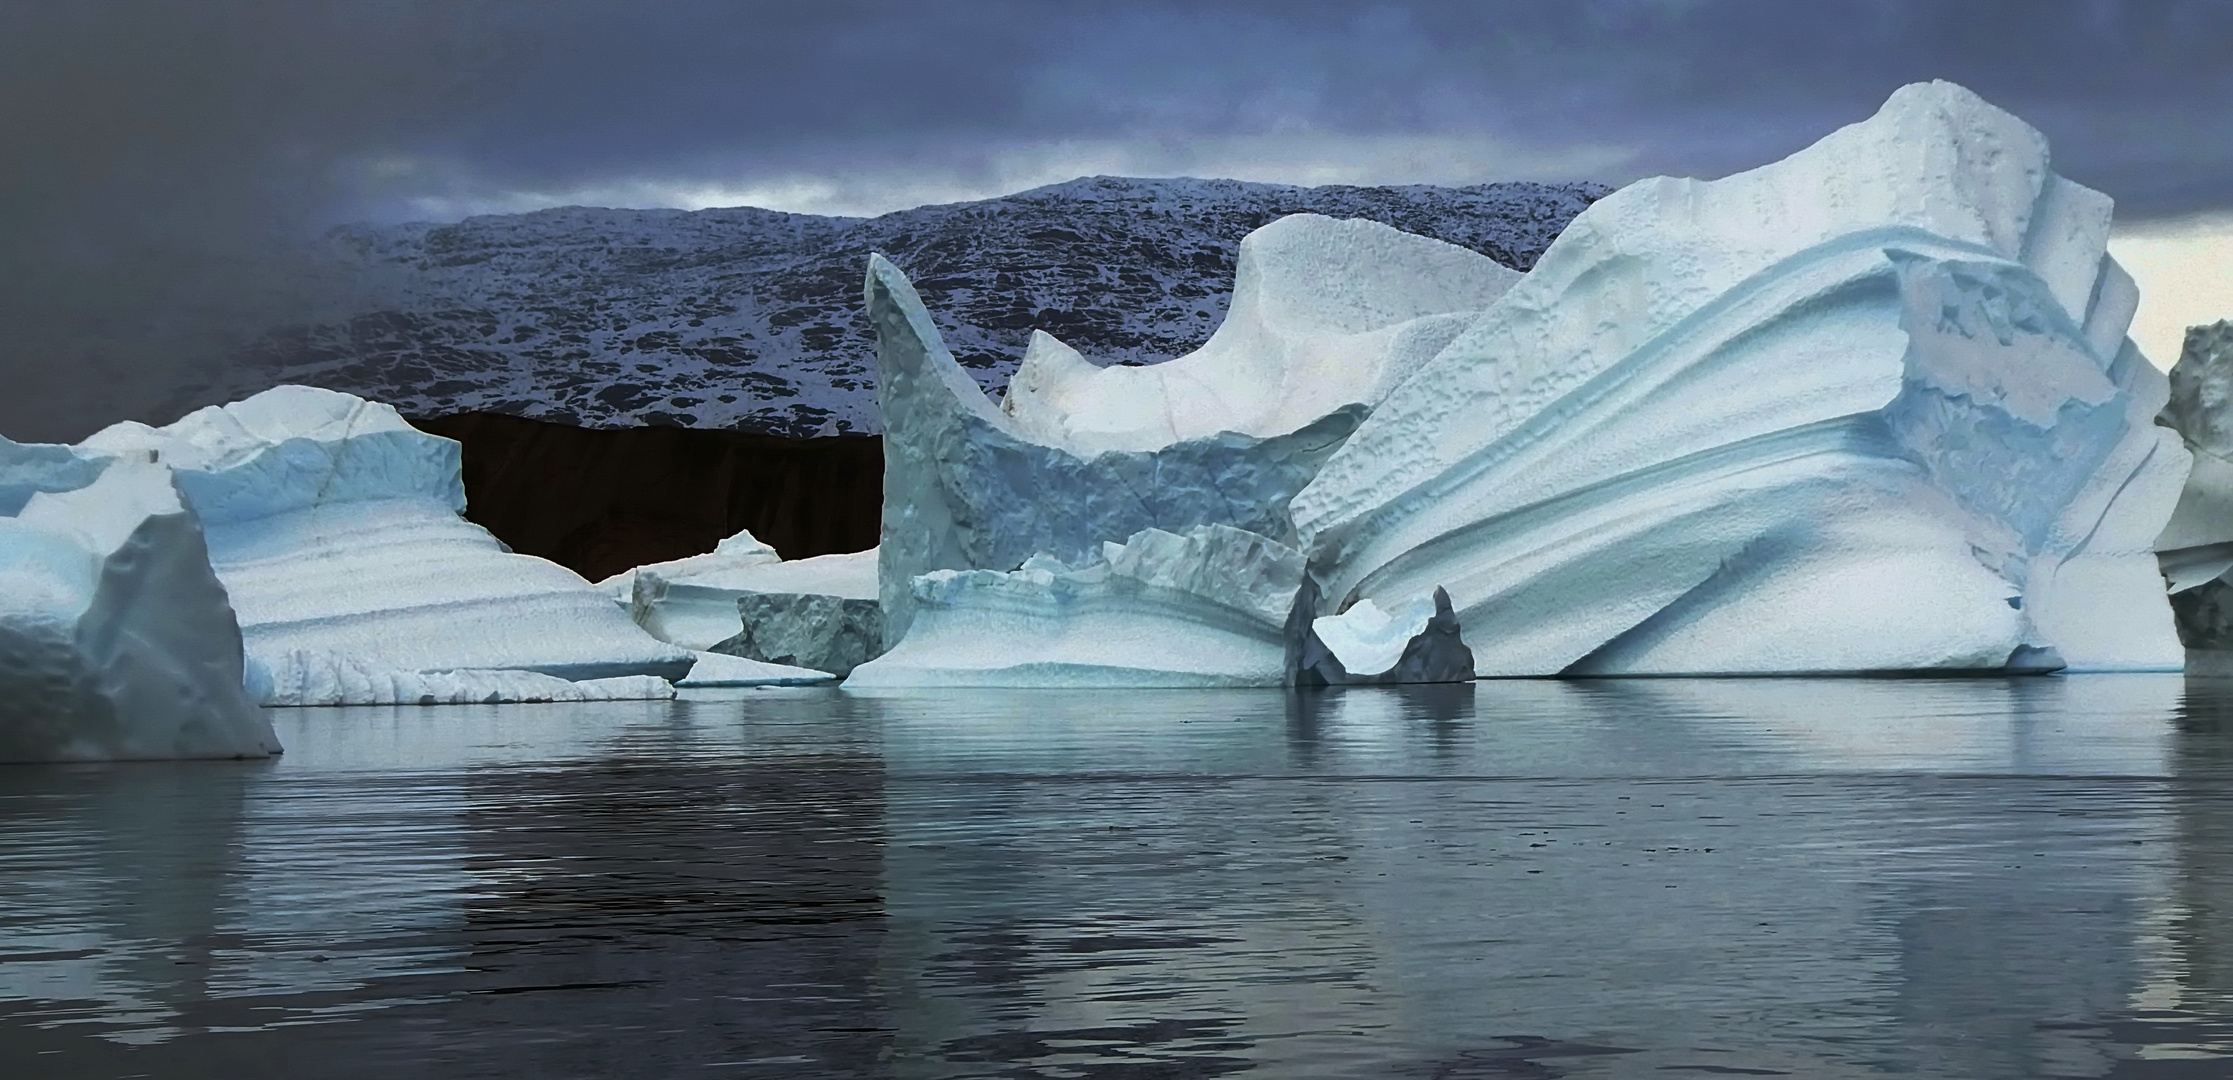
1868, 408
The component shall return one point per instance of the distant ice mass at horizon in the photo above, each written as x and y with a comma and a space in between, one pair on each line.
1327, 316
1870, 408
116, 640
334, 527
1206, 607
2196, 548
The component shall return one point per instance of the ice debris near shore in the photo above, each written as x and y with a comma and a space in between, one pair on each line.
745, 601
116, 640
335, 529
1207, 607
1870, 408
968, 486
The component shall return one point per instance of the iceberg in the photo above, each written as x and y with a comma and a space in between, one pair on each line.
1418, 642
2195, 550
116, 639
334, 527
744, 601
299, 677
1327, 317
1207, 607
1870, 408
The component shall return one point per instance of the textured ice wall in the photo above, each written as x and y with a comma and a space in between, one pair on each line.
964, 489
1204, 608
334, 527
1867, 408
742, 600
116, 640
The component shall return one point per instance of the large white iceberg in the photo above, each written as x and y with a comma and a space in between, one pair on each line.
1868, 408
334, 527
116, 640
1326, 317
1204, 608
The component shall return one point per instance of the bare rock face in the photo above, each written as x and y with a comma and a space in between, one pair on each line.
599, 501
741, 319
807, 630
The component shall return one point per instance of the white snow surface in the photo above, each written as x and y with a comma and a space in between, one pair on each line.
1868, 408
1203, 608
116, 640
302, 677
1324, 313
1369, 641
334, 527
720, 670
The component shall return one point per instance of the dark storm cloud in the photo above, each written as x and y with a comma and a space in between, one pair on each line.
154, 156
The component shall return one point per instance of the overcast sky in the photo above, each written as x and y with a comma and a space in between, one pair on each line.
151, 152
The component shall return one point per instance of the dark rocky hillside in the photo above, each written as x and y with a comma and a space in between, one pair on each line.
749, 320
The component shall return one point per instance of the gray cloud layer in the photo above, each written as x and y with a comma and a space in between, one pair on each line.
159, 155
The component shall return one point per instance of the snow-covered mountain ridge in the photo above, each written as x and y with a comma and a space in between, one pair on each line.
750, 319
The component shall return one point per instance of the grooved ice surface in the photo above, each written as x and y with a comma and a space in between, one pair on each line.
748, 319
307, 677
1867, 408
334, 527
1206, 607
964, 489
116, 640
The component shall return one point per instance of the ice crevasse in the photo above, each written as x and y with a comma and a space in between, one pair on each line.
1870, 408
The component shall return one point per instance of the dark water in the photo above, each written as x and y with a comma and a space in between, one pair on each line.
2028, 878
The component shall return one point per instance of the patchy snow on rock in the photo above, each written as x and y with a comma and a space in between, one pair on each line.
1204, 608
1868, 408
116, 640
334, 527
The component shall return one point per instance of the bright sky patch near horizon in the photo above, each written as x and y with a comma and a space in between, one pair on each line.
2185, 272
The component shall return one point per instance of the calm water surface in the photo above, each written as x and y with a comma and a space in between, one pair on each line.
1979, 878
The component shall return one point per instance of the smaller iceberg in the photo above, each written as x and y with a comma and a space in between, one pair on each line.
717, 670
744, 601
116, 639
1207, 607
300, 677
2195, 550
1417, 643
